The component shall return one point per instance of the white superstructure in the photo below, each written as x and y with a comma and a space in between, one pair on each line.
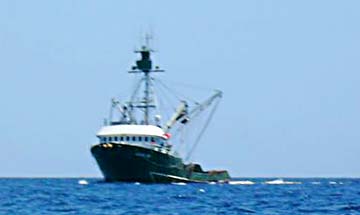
131, 130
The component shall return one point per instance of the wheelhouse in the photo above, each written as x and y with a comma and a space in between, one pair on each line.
148, 136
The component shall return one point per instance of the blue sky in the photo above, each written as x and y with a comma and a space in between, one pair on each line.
289, 71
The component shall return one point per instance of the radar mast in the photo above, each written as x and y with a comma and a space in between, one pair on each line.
144, 66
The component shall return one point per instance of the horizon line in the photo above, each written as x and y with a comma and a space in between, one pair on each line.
244, 177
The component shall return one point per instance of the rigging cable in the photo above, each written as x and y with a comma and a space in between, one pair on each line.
202, 130
178, 95
187, 85
163, 90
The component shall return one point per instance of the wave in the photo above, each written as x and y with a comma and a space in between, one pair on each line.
83, 182
179, 183
335, 182
241, 182
281, 181
316, 182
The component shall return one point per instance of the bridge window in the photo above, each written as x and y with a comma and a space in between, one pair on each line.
121, 138
140, 139
115, 138
133, 138
110, 139
146, 139
127, 138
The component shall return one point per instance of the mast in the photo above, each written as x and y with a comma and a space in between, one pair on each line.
146, 99
146, 56
144, 66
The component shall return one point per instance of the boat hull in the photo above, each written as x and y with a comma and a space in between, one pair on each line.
131, 163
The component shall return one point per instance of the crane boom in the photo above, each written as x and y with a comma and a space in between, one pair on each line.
180, 112
183, 115
206, 103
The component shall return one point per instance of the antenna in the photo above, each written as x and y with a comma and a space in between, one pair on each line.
147, 38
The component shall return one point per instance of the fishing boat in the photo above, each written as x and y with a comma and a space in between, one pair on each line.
135, 146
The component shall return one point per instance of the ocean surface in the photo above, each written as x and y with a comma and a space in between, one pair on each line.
241, 196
